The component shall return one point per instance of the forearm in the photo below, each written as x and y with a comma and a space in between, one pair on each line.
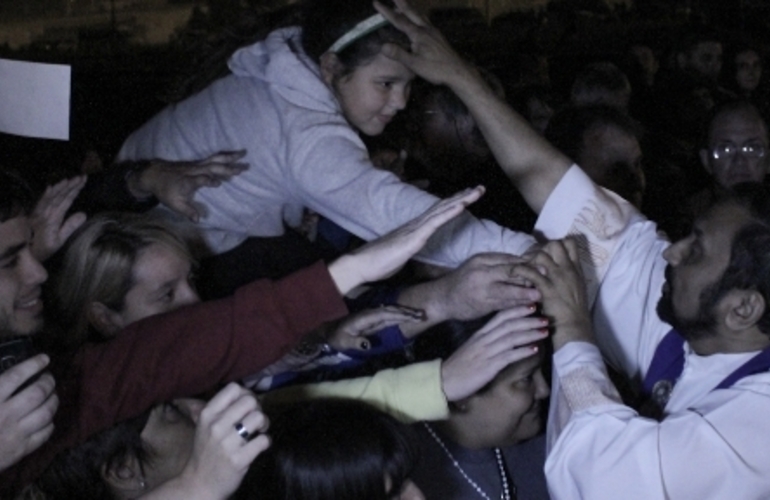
426, 297
409, 393
532, 163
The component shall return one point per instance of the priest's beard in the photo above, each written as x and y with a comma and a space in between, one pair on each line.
703, 324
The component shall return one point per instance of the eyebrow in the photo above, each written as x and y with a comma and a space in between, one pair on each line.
11, 251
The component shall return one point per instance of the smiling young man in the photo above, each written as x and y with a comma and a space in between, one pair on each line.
26, 413
711, 380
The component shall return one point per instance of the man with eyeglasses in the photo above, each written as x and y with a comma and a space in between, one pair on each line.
735, 150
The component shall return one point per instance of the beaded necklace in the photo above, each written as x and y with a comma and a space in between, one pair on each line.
506, 494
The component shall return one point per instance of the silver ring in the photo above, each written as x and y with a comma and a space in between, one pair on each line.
242, 431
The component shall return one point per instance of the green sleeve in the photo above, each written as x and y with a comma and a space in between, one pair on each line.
411, 393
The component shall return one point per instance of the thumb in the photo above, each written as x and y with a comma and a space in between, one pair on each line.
188, 210
397, 53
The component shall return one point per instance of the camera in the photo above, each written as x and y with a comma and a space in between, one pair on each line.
15, 350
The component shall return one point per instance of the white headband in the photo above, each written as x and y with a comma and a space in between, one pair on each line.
359, 30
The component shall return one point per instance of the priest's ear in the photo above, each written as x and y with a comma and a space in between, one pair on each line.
744, 309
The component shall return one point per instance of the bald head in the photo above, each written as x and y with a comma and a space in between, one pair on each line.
736, 145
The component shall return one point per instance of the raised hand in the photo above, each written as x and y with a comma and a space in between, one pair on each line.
431, 56
505, 339
174, 183
351, 332
49, 219
555, 271
384, 256
222, 453
26, 418
483, 284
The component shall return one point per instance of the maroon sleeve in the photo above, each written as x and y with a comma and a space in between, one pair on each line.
195, 349
186, 352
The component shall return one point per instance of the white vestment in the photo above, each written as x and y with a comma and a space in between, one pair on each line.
712, 444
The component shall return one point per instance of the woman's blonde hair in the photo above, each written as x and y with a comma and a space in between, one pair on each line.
98, 263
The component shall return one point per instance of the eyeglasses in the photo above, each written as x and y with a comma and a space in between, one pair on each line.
727, 150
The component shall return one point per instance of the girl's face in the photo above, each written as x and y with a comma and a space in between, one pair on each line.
372, 94
162, 283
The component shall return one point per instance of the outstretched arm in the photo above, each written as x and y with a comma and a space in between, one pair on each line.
384, 256
421, 391
483, 284
534, 166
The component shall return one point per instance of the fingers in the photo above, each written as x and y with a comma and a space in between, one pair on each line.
216, 171
38, 423
223, 157
16, 376
507, 357
447, 209
487, 352
399, 21
494, 259
71, 225
375, 319
508, 314
187, 210
232, 405
530, 273
349, 334
405, 8
225, 398
36, 439
59, 197
571, 245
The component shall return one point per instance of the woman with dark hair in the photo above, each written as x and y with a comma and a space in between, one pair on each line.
485, 449
335, 449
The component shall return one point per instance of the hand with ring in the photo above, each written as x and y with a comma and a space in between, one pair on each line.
228, 437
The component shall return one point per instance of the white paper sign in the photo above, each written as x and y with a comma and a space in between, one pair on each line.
35, 99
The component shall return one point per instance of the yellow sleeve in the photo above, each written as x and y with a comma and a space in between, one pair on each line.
410, 393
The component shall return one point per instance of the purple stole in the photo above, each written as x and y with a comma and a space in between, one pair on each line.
668, 362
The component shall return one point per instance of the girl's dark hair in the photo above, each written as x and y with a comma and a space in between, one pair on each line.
77, 472
325, 21
332, 449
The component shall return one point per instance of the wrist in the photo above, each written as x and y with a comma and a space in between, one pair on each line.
579, 331
447, 384
466, 81
344, 273
427, 297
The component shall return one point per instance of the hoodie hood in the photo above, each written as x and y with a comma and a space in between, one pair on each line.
279, 61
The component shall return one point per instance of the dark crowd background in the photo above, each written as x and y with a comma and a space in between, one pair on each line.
117, 84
